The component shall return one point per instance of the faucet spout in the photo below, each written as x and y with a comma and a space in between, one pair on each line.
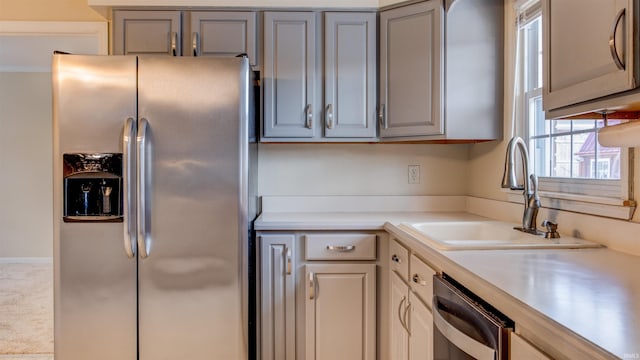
529, 187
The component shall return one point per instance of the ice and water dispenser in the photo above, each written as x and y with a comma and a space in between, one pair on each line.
92, 187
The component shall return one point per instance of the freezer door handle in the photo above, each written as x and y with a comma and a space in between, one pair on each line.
128, 166
144, 181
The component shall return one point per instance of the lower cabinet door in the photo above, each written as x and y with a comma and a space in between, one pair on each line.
522, 350
277, 289
399, 303
420, 324
340, 311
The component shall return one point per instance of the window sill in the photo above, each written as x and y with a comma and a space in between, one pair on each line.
591, 205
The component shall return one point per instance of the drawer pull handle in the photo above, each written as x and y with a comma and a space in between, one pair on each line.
336, 248
396, 259
416, 279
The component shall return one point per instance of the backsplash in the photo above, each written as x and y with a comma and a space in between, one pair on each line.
361, 169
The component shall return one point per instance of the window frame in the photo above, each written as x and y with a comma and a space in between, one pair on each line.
601, 197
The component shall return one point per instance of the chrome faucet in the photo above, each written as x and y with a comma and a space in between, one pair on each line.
530, 186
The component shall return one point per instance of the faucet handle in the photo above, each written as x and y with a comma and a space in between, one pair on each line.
552, 230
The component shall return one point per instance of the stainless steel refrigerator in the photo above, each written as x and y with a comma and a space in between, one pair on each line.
152, 207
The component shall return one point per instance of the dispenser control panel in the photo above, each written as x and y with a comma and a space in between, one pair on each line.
92, 187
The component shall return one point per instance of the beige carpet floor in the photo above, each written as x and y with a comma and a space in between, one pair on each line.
26, 311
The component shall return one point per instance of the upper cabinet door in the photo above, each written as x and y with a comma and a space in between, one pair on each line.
289, 79
588, 50
350, 73
411, 42
147, 32
222, 33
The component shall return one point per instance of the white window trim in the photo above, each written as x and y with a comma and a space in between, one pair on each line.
607, 198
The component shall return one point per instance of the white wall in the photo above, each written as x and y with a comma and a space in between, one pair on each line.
48, 10
25, 121
25, 160
361, 169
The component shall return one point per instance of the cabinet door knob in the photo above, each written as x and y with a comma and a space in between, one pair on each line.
381, 117
416, 279
309, 114
612, 40
289, 264
194, 43
312, 286
405, 317
329, 116
174, 44
395, 259
400, 317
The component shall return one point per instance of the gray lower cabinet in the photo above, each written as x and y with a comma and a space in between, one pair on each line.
399, 334
520, 349
293, 106
420, 324
206, 33
411, 43
318, 295
411, 335
147, 32
340, 311
277, 297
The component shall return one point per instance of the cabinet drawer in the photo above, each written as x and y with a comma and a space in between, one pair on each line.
422, 279
399, 259
340, 246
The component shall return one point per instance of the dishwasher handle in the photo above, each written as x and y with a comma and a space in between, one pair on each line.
461, 340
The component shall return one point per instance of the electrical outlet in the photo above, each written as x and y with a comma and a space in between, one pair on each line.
414, 174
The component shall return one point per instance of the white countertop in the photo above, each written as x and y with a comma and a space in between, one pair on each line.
350, 220
595, 293
580, 302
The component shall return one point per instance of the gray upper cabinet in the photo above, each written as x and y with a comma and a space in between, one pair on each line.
206, 33
291, 107
147, 32
590, 54
350, 75
222, 33
441, 71
411, 41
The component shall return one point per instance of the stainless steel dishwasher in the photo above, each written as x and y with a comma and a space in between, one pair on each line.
465, 326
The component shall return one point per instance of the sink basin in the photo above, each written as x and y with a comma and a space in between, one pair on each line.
486, 235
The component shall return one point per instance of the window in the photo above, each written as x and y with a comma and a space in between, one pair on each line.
565, 154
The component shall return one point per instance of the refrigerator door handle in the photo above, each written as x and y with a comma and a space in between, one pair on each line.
128, 168
144, 179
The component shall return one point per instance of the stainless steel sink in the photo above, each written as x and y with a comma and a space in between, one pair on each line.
486, 235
